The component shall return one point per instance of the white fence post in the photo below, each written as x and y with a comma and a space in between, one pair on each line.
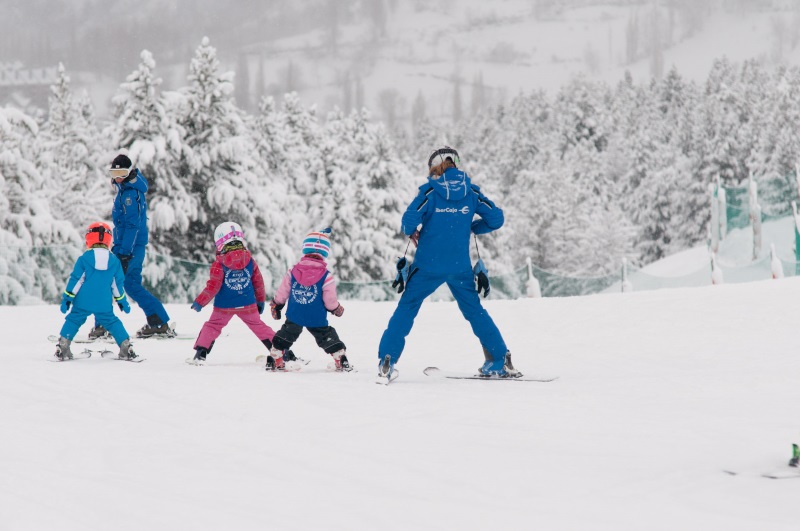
714, 229
755, 218
532, 287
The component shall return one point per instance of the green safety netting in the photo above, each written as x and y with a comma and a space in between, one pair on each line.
737, 211
31, 275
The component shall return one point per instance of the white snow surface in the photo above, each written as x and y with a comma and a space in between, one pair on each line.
659, 393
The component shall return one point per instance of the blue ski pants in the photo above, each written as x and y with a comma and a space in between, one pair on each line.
77, 316
136, 291
421, 285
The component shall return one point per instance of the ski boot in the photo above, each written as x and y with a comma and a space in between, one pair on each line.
795, 460
492, 368
155, 328
275, 361
340, 361
63, 351
126, 350
200, 356
98, 332
509, 367
386, 371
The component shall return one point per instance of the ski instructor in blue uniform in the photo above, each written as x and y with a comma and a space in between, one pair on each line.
130, 242
445, 209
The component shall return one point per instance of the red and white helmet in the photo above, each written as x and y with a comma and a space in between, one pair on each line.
98, 233
227, 232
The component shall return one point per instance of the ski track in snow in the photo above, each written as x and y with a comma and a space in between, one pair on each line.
659, 392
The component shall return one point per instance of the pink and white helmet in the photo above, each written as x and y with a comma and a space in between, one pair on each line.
227, 232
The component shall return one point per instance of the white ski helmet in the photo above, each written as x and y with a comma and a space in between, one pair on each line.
228, 232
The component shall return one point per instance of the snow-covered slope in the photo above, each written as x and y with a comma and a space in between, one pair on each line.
659, 392
692, 267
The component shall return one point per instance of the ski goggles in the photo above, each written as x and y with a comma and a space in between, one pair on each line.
117, 173
440, 155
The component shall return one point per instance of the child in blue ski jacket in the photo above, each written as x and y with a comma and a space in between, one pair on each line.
96, 279
129, 215
445, 208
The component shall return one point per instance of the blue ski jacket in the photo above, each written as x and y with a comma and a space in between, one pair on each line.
446, 207
130, 214
96, 280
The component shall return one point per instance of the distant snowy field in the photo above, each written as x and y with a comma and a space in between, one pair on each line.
659, 392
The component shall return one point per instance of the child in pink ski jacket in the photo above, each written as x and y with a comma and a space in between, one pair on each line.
237, 288
309, 292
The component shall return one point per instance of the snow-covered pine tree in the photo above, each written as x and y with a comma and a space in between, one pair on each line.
300, 144
225, 179
380, 200
647, 194
776, 141
37, 249
146, 126
723, 153
362, 192
679, 101
332, 202
284, 215
156, 144
69, 141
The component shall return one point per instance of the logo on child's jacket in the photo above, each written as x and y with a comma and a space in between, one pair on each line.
237, 279
304, 294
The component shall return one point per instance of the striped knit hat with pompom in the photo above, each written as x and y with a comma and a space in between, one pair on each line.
318, 242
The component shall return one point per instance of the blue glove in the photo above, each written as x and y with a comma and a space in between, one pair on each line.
66, 301
260, 306
326, 230
404, 274
481, 278
123, 304
196, 307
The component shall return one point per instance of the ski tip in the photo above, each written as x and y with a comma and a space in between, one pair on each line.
431, 371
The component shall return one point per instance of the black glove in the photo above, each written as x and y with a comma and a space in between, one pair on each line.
260, 306
275, 309
483, 284
404, 274
125, 260
481, 278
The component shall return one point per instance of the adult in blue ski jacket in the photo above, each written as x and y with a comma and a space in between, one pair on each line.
129, 215
441, 221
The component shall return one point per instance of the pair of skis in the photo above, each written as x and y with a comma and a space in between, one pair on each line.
439, 373
261, 359
108, 339
436, 372
87, 353
792, 472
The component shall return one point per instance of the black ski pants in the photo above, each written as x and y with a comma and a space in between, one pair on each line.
326, 337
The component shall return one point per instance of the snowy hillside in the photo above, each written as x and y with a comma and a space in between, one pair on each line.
382, 54
491, 51
659, 392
